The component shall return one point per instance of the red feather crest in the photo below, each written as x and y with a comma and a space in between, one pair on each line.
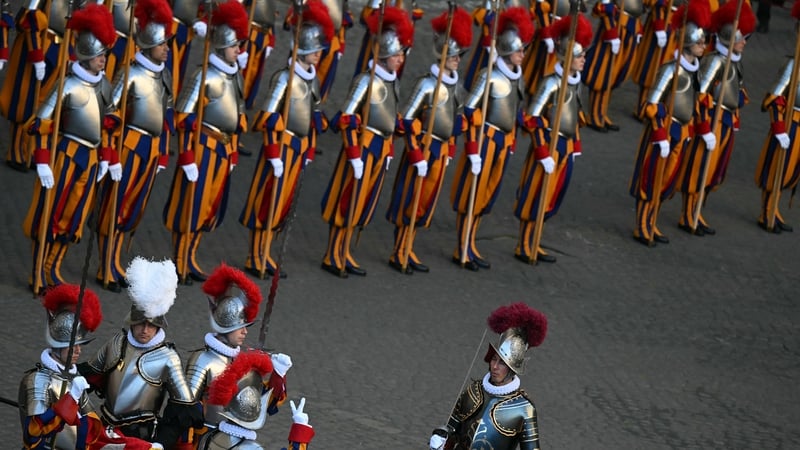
699, 14
224, 387
65, 296
157, 11
518, 18
97, 20
460, 32
519, 315
393, 19
583, 34
726, 14
232, 14
223, 278
315, 11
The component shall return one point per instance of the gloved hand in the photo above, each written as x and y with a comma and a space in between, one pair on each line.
358, 167
116, 171
38, 68
661, 38
615, 43
298, 416
447, 161
102, 170
548, 163
783, 140
45, 175
277, 167
663, 147
711, 141
76, 388
422, 168
3, 63
160, 168
242, 59
475, 163
281, 363
437, 442
233, 166
200, 28
191, 172
551, 45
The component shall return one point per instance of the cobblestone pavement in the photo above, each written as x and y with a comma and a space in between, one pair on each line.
688, 345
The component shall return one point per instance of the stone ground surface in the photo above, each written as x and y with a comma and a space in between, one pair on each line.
688, 345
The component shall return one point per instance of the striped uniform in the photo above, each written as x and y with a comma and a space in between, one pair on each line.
649, 56
482, 17
538, 62
258, 47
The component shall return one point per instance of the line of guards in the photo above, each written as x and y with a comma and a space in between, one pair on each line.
123, 128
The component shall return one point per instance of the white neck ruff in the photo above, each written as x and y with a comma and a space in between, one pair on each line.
85, 75
48, 361
571, 79
147, 63
505, 389
307, 75
157, 339
220, 64
383, 73
511, 74
447, 79
237, 431
723, 50
220, 347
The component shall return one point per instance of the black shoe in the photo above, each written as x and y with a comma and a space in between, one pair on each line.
399, 267
334, 270
112, 286
469, 264
523, 258
199, 277
252, 271
784, 226
18, 166
357, 271
418, 267
644, 241
244, 152
706, 229
482, 263
597, 128
661, 239
545, 258
776, 229
186, 282
271, 272
612, 127
123, 283
698, 232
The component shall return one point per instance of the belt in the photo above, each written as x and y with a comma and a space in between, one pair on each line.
128, 418
220, 136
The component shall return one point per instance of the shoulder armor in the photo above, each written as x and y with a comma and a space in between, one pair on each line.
509, 414
545, 95
470, 402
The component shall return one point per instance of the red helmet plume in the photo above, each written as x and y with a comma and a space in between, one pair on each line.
65, 297
460, 32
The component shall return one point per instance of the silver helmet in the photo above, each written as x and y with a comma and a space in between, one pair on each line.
389, 44
87, 46
248, 407
94, 31
229, 24
228, 314
153, 34
223, 36
563, 43
61, 303
509, 42
726, 33
59, 329
137, 316
693, 34
311, 39
453, 48
511, 349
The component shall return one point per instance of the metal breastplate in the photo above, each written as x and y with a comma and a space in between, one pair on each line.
57, 15
82, 110
334, 12
148, 98
201, 369
544, 104
185, 11
419, 106
303, 100
711, 70
504, 99
781, 86
383, 103
223, 93
633, 8
218, 440
122, 17
685, 94
504, 422
264, 13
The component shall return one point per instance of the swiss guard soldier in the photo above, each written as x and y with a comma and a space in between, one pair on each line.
710, 74
289, 142
358, 176
665, 139
329, 61
540, 56
495, 412
258, 47
148, 120
136, 369
239, 394
189, 21
199, 194
499, 126
121, 11
82, 146
419, 161
539, 116
233, 302
655, 48
782, 135
610, 56
365, 52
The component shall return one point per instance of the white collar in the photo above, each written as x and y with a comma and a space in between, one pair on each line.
237, 431
690, 66
50, 362
307, 75
220, 347
147, 63
220, 64
383, 73
447, 79
572, 79
157, 339
723, 50
499, 390
511, 74
85, 75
